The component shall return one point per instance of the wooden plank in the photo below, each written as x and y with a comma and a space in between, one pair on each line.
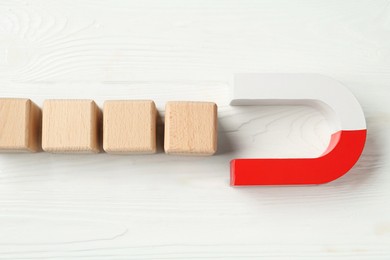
76, 206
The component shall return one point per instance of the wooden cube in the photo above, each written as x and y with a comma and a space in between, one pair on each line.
129, 126
70, 126
20, 125
190, 128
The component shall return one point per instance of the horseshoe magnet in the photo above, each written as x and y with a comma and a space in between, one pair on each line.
334, 100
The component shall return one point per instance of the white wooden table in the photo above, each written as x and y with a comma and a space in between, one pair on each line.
171, 207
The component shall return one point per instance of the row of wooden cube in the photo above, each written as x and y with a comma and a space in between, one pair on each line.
125, 126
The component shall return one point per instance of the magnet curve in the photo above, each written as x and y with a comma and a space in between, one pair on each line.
334, 100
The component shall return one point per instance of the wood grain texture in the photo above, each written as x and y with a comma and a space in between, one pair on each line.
61, 206
70, 126
129, 126
20, 125
190, 128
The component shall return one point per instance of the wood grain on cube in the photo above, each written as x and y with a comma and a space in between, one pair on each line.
129, 126
70, 126
190, 128
20, 124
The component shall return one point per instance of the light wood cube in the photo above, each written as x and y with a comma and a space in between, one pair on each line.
20, 124
129, 126
70, 126
190, 128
